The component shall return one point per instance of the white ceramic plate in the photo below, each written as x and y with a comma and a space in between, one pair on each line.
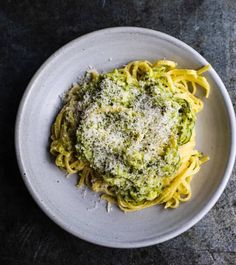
78, 211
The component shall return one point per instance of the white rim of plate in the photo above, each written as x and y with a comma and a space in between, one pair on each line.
214, 198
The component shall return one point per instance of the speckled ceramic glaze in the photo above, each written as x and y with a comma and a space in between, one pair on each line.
79, 211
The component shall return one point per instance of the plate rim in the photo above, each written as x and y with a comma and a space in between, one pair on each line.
204, 210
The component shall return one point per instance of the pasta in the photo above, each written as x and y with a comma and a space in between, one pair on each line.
172, 101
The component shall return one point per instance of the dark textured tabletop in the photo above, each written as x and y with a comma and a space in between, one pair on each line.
30, 31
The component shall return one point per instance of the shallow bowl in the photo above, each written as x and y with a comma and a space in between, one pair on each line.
79, 211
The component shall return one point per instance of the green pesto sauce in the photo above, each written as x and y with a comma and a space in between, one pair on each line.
130, 133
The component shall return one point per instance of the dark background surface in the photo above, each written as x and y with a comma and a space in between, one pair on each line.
30, 31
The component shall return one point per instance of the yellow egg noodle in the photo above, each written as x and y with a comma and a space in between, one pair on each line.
173, 188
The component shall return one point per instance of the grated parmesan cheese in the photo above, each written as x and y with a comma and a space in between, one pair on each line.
123, 130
